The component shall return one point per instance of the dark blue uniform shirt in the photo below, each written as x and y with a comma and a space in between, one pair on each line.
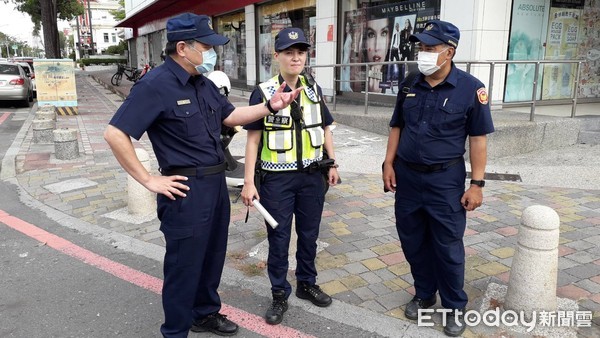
435, 122
256, 98
181, 113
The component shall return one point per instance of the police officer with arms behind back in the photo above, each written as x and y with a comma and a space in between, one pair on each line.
292, 165
182, 111
424, 166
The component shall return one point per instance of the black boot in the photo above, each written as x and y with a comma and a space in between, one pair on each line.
313, 293
413, 307
455, 323
279, 306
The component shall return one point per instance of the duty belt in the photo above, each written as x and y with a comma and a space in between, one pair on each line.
431, 168
196, 171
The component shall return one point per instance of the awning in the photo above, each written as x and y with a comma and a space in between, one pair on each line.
161, 9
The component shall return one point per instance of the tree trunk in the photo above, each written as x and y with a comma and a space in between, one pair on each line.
49, 24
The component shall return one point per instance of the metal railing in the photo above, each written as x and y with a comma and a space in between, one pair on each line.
492, 67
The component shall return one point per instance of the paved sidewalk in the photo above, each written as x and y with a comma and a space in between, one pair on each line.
361, 262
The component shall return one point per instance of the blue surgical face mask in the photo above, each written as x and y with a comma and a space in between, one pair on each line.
209, 60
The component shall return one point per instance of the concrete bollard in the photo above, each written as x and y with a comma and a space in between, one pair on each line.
66, 146
140, 201
46, 107
45, 115
533, 276
42, 131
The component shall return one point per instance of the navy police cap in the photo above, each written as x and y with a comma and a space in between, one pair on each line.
437, 32
288, 37
189, 26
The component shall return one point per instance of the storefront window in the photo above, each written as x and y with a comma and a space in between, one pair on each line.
232, 56
553, 30
274, 17
378, 31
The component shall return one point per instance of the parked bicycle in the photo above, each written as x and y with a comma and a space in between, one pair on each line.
132, 74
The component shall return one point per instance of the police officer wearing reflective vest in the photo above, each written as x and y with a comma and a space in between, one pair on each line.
434, 115
182, 112
292, 165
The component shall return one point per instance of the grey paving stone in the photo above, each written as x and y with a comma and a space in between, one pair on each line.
371, 277
360, 255
566, 263
373, 305
391, 238
573, 235
581, 245
348, 297
337, 249
352, 238
379, 289
355, 268
581, 224
365, 293
366, 243
376, 233
581, 257
584, 271
589, 285
391, 301
408, 278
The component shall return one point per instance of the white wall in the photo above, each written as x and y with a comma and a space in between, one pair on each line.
326, 50
484, 31
251, 48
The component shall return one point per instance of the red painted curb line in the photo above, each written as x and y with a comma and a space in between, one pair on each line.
242, 318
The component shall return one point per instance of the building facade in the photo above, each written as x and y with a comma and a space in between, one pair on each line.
368, 32
95, 30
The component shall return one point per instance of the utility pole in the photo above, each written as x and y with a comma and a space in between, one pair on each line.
91, 29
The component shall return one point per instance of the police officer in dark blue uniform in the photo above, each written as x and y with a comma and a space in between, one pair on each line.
434, 115
294, 142
182, 112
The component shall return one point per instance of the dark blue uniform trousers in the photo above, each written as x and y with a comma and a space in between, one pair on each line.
283, 195
431, 223
195, 229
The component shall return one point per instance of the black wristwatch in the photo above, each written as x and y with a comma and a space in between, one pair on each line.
268, 105
479, 183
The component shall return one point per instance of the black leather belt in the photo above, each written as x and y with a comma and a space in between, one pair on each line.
196, 171
431, 168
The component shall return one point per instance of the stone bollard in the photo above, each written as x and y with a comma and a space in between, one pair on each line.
46, 107
42, 131
45, 115
66, 146
140, 201
533, 276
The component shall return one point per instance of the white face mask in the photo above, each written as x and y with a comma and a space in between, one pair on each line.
209, 59
427, 62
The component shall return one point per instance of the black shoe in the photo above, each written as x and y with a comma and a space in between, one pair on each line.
279, 306
412, 308
313, 293
215, 323
455, 323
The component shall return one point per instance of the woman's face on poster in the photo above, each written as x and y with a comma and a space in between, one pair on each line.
377, 39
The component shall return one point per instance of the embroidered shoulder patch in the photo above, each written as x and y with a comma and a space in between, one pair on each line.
482, 95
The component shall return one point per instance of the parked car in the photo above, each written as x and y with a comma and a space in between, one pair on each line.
29, 71
15, 85
27, 59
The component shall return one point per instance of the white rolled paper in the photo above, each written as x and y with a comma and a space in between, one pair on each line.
272, 222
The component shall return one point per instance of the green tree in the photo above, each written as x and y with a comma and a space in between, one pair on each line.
6, 42
45, 13
119, 14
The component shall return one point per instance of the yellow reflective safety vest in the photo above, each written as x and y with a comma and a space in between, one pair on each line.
289, 145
